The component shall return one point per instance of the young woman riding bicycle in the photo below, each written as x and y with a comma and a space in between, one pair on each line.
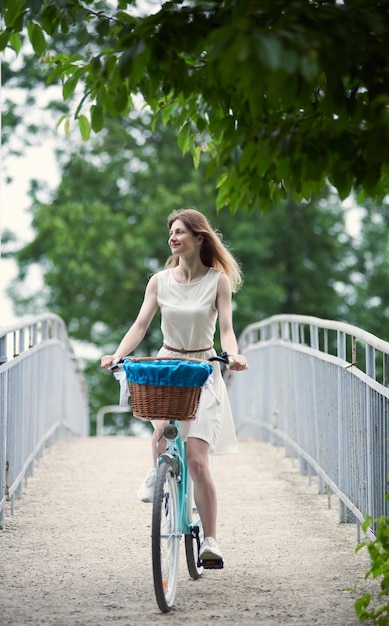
193, 291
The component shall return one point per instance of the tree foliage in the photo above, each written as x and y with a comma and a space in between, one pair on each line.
104, 231
370, 305
282, 94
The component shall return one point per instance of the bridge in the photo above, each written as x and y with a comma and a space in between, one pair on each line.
311, 418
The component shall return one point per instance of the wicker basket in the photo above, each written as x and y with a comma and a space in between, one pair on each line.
152, 402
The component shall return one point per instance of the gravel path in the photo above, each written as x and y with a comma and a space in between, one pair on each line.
77, 550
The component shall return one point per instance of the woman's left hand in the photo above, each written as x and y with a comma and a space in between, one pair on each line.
238, 362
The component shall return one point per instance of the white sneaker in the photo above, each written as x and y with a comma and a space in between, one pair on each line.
210, 550
146, 490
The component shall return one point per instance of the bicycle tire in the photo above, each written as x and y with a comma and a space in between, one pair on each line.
165, 537
194, 539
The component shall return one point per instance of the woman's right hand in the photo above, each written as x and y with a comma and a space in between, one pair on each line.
106, 361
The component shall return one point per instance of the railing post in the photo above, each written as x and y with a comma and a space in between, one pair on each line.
3, 445
314, 336
3, 349
370, 371
344, 516
295, 332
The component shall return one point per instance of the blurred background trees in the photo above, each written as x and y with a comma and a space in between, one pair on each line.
104, 232
101, 232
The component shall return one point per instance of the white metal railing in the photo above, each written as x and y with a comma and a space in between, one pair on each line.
43, 397
320, 388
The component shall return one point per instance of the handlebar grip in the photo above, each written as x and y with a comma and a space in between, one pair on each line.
115, 364
229, 361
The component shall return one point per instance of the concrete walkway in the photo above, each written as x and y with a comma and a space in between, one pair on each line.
77, 550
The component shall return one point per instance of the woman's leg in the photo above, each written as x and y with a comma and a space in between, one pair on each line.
204, 487
158, 444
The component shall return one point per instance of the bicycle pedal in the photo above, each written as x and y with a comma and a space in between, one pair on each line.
212, 563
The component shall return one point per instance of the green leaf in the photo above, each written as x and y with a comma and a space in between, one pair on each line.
64, 26
95, 65
97, 117
36, 37
183, 139
15, 42
84, 125
129, 58
121, 98
196, 156
50, 19
13, 12
61, 119
166, 112
103, 27
69, 87
63, 64
67, 126
59, 70
362, 602
4, 38
71, 84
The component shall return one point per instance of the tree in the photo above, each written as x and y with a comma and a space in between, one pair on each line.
131, 172
283, 94
103, 232
296, 259
104, 229
369, 306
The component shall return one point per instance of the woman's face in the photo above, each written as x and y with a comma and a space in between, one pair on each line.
182, 241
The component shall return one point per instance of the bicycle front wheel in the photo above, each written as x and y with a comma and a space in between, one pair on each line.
165, 537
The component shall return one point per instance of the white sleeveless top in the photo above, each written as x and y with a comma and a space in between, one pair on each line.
188, 311
188, 322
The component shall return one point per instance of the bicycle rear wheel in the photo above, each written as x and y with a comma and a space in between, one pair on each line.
194, 539
165, 537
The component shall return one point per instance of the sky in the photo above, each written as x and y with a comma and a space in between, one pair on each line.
39, 163
36, 162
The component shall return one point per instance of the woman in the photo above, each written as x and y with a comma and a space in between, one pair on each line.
192, 292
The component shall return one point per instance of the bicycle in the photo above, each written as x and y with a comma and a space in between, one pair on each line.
174, 511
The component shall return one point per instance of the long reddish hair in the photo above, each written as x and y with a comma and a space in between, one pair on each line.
213, 252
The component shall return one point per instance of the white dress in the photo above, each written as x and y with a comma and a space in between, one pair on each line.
188, 322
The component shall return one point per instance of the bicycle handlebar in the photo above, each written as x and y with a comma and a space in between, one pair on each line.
224, 357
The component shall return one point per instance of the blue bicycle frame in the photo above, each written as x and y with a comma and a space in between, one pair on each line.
175, 454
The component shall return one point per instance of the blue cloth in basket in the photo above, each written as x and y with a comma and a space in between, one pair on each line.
169, 373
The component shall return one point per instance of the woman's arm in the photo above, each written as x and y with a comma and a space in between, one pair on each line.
227, 335
137, 331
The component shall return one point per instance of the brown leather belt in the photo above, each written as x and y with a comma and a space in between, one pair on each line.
186, 351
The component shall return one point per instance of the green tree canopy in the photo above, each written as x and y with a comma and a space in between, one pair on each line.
369, 306
283, 94
104, 231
